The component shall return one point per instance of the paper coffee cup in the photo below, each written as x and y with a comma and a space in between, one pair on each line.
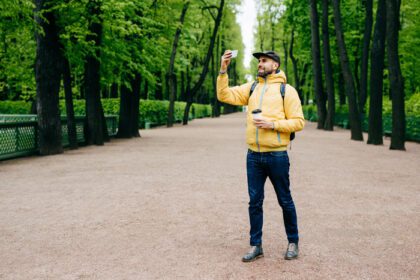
257, 114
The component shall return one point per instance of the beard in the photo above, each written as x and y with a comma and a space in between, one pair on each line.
264, 73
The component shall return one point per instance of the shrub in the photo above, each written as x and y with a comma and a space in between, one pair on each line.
15, 107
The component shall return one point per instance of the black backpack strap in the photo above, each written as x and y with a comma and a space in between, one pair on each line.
254, 84
283, 90
283, 94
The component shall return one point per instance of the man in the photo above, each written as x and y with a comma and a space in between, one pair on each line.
267, 138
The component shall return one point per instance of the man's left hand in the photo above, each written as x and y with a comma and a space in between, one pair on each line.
261, 123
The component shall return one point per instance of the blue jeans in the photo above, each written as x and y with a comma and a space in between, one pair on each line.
274, 165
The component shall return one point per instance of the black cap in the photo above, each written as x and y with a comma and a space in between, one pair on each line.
270, 54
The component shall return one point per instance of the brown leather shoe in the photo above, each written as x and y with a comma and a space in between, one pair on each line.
254, 253
292, 251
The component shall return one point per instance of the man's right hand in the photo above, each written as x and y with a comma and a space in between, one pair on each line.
226, 58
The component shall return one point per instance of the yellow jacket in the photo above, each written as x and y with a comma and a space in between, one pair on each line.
267, 97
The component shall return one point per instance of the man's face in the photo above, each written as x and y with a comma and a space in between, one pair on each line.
266, 66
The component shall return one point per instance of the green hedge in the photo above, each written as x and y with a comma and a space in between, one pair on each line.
15, 107
152, 111
341, 118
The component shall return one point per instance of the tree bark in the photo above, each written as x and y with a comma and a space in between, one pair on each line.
145, 94
365, 56
341, 90
302, 82
71, 124
316, 64
114, 90
294, 60
182, 95
124, 127
203, 74
214, 86
158, 86
375, 130
216, 104
329, 122
171, 74
354, 117
356, 56
273, 29
285, 57
135, 106
48, 69
94, 112
395, 76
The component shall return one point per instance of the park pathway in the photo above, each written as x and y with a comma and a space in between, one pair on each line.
173, 205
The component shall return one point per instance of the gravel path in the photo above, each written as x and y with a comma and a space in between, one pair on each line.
173, 205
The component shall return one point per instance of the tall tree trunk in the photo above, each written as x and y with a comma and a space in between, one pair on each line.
302, 82
216, 104
158, 86
356, 55
354, 117
182, 95
114, 90
285, 57
329, 122
294, 61
273, 29
94, 111
316, 65
365, 56
375, 130
395, 76
214, 86
124, 126
145, 94
135, 106
188, 97
171, 74
203, 74
71, 124
48, 69
341, 90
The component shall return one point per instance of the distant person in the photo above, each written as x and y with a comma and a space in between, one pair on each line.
267, 135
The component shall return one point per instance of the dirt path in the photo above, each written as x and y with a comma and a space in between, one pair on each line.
173, 205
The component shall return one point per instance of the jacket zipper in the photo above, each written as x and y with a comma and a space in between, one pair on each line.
259, 107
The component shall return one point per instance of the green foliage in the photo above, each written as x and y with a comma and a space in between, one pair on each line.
15, 107
412, 109
17, 45
409, 42
412, 105
153, 111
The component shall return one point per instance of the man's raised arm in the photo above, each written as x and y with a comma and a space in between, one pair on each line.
237, 95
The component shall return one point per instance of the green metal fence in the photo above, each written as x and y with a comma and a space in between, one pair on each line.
19, 134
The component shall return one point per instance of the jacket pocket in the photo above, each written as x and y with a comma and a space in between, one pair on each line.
269, 138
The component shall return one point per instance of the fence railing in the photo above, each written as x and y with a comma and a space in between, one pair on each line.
19, 134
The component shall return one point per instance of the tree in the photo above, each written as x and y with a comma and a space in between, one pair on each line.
71, 124
365, 56
329, 122
94, 111
171, 74
316, 65
354, 117
204, 71
375, 130
48, 71
395, 76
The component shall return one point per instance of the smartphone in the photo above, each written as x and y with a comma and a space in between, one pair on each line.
234, 53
